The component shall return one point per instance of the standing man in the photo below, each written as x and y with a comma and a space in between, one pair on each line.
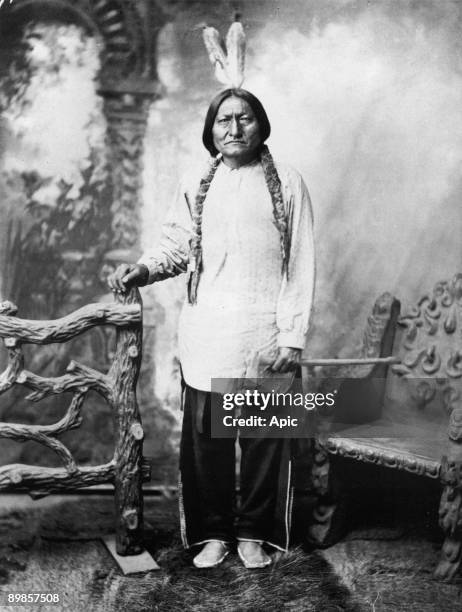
244, 231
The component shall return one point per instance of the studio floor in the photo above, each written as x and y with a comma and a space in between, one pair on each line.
384, 563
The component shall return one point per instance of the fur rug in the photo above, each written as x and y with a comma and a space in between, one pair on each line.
54, 547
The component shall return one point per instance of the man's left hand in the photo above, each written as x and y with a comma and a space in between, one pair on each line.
286, 360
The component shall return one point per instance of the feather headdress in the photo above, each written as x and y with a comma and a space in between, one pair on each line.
229, 60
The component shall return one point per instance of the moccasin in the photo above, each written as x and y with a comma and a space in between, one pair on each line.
211, 555
253, 563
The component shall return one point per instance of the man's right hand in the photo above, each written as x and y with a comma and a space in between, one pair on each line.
127, 275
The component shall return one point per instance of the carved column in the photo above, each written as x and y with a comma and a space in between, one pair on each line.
126, 115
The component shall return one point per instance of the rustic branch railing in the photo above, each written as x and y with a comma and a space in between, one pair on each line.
127, 469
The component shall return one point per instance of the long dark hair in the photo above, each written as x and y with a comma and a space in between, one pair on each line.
252, 101
271, 178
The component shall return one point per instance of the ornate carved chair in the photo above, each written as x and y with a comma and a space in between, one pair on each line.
407, 416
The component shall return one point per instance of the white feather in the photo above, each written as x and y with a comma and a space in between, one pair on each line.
235, 47
217, 56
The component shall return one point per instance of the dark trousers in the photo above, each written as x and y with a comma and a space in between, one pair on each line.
208, 508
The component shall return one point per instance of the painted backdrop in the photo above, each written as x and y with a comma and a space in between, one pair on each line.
365, 100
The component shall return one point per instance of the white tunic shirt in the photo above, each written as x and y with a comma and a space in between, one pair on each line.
246, 308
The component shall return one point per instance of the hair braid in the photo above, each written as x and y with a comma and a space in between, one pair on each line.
273, 182
196, 213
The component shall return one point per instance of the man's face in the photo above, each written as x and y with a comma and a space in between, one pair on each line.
236, 133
